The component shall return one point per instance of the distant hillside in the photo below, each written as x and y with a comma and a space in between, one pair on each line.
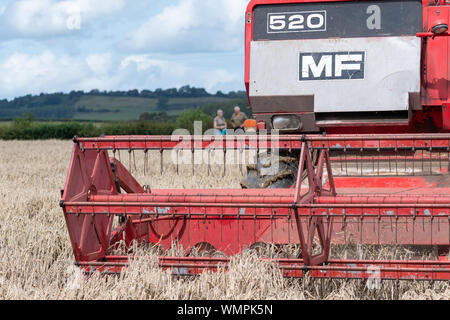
129, 105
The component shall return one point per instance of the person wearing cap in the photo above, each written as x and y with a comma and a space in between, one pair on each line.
220, 124
238, 119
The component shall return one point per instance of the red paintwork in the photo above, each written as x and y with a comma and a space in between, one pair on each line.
367, 210
435, 65
126, 181
344, 142
446, 116
435, 83
432, 35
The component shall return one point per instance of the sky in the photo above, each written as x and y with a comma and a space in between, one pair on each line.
63, 45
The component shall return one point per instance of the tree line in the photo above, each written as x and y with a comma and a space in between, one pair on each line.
59, 105
26, 127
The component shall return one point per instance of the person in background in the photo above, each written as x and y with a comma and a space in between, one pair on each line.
220, 124
238, 119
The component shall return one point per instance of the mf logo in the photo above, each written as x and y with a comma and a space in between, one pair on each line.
332, 65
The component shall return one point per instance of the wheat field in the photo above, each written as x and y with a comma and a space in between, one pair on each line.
36, 260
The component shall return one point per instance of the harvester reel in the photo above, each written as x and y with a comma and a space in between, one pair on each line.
322, 209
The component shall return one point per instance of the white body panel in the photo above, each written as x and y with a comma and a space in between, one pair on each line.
391, 72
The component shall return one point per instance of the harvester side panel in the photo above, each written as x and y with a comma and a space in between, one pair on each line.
382, 85
89, 173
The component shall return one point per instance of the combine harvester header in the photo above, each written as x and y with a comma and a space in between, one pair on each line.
357, 95
409, 210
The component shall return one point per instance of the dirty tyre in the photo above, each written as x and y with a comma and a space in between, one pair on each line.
262, 175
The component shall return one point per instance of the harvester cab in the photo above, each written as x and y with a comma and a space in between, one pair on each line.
357, 93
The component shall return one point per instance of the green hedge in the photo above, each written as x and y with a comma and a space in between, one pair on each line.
25, 128
38, 131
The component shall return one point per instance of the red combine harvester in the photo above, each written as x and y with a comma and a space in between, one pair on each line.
358, 95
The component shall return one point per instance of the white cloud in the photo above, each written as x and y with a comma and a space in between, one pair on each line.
40, 54
100, 63
145, 72
44, 72
143, 62
51, 17
192, 26
22, 73
212, 80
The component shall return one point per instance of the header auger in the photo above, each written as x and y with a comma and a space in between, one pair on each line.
356, 95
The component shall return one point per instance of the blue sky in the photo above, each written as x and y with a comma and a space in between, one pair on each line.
64, 45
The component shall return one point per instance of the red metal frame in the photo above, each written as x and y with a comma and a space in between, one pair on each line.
296, 268
399, 210
435, 67
364, 142
338, 269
